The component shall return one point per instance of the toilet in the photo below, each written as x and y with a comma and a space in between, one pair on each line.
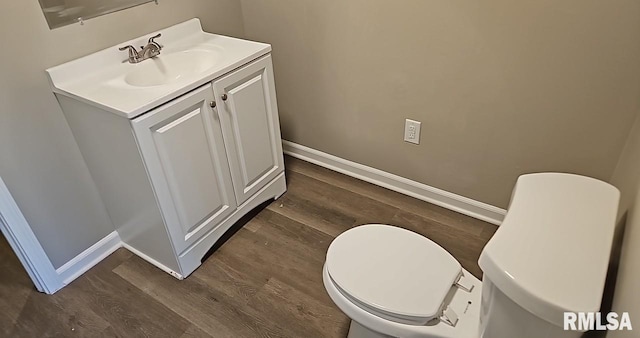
549, 256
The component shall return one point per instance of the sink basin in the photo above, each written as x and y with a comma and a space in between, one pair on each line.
169, 68
190, 58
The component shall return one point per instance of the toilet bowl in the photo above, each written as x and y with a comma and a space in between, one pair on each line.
393, 282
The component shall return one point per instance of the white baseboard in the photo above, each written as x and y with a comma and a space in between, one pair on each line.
445, 199
99, 251
152, 261
24, 243
89, 258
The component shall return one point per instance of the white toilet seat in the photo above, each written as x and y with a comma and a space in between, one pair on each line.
392, 272
395, 317
396, 282
467, 326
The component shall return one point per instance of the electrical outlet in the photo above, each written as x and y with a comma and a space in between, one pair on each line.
412, 131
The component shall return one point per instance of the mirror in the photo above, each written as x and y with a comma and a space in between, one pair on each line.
65, 12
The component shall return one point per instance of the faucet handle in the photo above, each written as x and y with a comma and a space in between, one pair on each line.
133, 53
129, 47
132, 50
152, 39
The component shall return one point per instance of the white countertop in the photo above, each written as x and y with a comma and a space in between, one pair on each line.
99, 79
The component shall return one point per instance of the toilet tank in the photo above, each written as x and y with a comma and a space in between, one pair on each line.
549, 256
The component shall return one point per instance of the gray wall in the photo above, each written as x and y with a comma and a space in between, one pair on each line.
627, 179
502, 87
39, 160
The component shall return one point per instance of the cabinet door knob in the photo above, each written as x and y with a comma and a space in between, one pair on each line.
224, 97
212, 104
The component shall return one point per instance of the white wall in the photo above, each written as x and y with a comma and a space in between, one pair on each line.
627, 179
39, 160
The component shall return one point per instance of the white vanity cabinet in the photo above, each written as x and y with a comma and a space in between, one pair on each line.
248, 112
182, 147
210, 150
177, 164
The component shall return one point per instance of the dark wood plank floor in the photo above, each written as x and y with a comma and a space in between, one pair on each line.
265, 281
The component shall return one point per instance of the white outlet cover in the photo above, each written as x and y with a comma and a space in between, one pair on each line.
412, 131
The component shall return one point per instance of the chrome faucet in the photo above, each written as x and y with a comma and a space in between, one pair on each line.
152, 49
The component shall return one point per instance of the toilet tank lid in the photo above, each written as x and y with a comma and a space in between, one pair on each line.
551, 253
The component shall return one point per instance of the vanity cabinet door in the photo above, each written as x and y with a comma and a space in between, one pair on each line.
183, 150
249, 114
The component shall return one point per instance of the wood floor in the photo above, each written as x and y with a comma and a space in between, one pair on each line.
265, 281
